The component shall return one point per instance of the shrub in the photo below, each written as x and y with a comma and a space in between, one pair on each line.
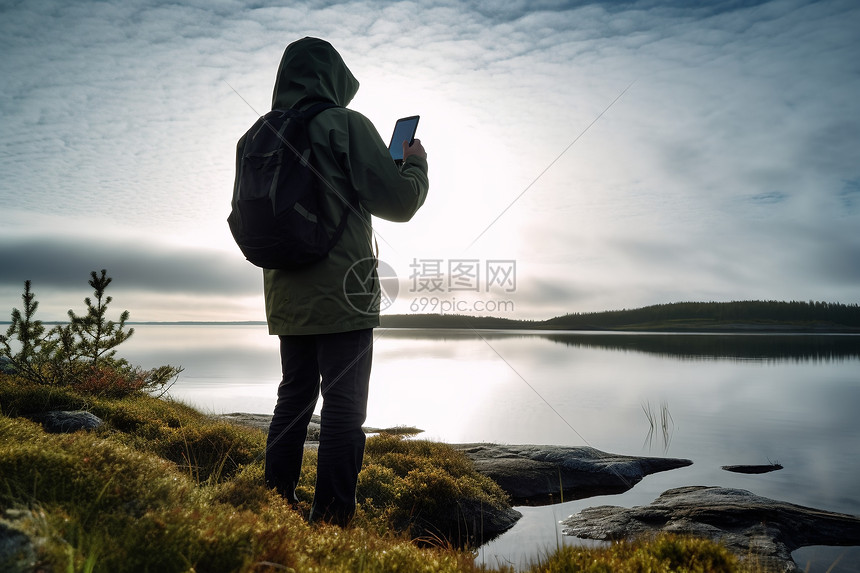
81, 353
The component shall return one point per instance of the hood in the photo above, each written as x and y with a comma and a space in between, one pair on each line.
311, 70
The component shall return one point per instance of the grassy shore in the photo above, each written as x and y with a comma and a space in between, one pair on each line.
163, 487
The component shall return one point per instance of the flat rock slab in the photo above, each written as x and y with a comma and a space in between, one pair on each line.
262, 421
760, 469
750, 526
541, 475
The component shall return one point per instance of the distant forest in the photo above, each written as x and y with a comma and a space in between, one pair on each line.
777, 316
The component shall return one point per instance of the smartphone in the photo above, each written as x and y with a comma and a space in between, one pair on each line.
404, 130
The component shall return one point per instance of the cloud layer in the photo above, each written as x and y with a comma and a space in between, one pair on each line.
730, 169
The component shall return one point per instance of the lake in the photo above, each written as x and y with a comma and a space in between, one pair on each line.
728, 399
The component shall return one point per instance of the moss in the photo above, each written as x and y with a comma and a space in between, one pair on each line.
203, 448
123, 498
663, 553
426, 488
82, 472
18, 397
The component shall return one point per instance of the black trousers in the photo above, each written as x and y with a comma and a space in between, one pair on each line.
337, 366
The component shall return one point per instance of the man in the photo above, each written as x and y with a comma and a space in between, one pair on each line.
326, 338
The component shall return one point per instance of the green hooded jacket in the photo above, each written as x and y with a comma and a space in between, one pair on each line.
341, 292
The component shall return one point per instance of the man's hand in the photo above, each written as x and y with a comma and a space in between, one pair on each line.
415, 149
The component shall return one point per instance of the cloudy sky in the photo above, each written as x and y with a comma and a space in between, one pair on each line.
607, 154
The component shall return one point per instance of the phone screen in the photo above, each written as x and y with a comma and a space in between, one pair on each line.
404, 130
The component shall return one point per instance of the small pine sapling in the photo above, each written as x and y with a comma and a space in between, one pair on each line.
33, 357
98, 337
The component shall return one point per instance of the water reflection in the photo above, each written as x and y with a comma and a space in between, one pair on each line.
735, 399
792, 347
704, 346
661, 421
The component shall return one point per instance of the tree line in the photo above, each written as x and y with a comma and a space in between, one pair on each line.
683, 315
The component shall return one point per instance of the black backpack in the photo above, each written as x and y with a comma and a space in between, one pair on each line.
276, 218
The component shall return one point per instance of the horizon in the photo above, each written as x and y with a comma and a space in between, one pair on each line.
514, 319
583, 153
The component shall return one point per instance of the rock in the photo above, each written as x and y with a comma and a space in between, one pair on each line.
761, 469
259, 421
17, 549
750, 526
62, 422
262, 421
540, 475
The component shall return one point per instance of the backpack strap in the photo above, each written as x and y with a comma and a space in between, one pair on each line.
351, 203
310, 112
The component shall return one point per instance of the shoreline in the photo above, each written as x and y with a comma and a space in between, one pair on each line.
699, 328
